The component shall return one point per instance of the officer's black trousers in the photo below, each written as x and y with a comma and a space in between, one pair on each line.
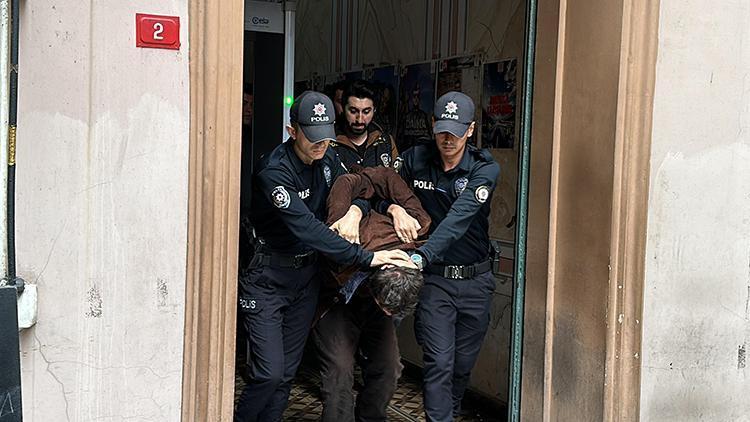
346, 332
450, 323
278, 307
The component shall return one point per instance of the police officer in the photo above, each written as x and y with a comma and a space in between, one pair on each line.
362, 141
454, 181
279, 295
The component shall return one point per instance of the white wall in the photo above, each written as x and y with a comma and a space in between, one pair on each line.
696, 323
102, 211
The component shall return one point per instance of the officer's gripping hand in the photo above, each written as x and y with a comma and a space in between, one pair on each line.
407, 227
391, 258
348, 225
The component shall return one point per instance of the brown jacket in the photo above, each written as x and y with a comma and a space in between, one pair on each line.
380, 149
376, 232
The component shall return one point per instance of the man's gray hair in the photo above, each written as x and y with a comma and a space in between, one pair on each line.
397, 289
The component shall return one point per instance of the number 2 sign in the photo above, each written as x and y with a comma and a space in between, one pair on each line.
154, 31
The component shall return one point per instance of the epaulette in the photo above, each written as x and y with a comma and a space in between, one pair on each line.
483, 154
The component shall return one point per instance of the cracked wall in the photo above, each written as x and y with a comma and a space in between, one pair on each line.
102, 165
696, 322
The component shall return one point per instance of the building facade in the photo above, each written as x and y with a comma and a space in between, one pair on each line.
638, 270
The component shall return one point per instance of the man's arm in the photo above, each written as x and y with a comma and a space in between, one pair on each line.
347, 225
478, 191
407, 227
279, 188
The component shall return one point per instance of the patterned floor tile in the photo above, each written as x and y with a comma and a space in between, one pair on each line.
406, 405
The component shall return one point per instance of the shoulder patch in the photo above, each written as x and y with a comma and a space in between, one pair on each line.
327, 175
280, 197
481, 194
485, 155
398, 164
386, 159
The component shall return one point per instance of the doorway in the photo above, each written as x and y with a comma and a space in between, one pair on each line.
561, 342
476, 47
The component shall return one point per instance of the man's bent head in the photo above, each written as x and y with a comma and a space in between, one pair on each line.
396, 290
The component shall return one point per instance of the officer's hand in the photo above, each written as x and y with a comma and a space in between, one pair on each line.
391, 258
407, 227
348, 226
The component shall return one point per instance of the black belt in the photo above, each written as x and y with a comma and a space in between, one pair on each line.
284, 261
459, 272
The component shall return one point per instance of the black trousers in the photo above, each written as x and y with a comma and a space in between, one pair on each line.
357, 332
450, 323
278, 305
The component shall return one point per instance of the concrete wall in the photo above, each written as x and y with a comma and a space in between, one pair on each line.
696, 322
102, 211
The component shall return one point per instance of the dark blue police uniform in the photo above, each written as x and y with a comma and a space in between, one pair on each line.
279, 294
453, 312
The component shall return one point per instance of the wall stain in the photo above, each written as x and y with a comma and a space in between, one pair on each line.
161, 293
94, 300
741, 357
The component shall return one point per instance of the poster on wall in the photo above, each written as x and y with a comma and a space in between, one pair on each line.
499, 104
461, 74
416, 100
385, 81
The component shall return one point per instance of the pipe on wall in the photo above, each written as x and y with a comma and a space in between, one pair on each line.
516, 351
4, 115
12, 278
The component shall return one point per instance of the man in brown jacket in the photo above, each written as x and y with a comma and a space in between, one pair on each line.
357, 327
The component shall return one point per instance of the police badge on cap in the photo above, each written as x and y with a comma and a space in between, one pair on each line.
453, 112
313, 112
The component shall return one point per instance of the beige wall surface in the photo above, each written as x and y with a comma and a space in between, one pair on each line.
581, 198
696, 322
102, 167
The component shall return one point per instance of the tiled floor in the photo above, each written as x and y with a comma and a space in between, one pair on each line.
406, 406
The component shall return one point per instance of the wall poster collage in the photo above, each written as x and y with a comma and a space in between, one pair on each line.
407, 94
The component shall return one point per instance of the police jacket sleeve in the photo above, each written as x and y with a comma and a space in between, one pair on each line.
482, 181
303, 224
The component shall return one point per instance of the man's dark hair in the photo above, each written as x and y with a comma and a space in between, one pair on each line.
359, 89
397, 289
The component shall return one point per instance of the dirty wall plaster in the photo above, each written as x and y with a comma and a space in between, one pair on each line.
102, 162
696, 322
